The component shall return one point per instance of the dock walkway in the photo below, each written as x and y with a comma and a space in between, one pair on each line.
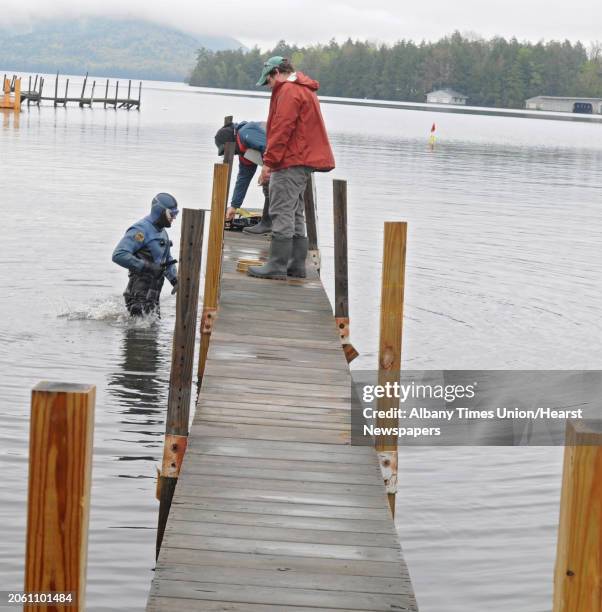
274, 510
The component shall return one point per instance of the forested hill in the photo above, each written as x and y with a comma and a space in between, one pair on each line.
496, 72
105, 47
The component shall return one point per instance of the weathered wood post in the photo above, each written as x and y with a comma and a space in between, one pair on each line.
578, 573
28, 89
58, 505
35, 84
341, 280
139, 94
66, 93
92, 94
56, 90
180, 381
129, 92
311, 222
81, 98
106, 94
214, 261
229, 152
41, 88
389, 354
116, 93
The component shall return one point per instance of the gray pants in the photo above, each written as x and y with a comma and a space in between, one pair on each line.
287, 207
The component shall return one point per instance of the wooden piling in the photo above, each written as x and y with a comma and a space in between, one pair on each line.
106, 94
178, 405
139, 94
28, 89
229, 153
60, 464
17, 107
56, 90
81, 98
311, 222
389, 355
92, 94
116, 93
341, 281
214, 261
41, 88
578, 572
66, 93
129, 92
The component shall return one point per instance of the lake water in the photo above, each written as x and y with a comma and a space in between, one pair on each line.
503, 272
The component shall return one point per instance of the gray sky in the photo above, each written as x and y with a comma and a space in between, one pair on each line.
264, 22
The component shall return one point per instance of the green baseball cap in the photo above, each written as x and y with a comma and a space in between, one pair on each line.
272, 63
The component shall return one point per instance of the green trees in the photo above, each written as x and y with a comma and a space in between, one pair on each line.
496, 72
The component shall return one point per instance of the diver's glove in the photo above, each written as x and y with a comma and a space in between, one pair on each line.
174, 284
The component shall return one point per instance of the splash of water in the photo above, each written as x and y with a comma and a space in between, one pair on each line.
111, 310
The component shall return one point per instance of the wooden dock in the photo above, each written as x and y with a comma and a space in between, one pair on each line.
273, 509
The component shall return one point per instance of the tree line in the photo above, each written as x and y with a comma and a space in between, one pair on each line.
495, 72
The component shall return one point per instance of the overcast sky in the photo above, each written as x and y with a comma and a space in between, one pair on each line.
264, 22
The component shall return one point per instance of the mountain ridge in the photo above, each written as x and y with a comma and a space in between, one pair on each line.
122, 48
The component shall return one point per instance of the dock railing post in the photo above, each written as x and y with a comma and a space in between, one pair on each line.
389, 354
578, 572
58, 504
341, 279
17, 107
180, 381
229, 152
213, 269
311, 222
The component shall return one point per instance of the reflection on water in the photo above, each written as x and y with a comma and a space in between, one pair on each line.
503, 272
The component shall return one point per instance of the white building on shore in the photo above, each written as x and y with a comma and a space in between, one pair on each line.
445, 96
565, 104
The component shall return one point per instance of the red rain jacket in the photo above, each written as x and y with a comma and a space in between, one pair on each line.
295, 131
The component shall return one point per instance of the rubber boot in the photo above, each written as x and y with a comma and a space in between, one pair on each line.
296, 264
265, 225
275, 267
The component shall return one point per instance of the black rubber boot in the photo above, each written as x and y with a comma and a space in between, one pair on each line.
265, 225
275, 267
296, 264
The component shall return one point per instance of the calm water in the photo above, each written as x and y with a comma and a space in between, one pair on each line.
503, 272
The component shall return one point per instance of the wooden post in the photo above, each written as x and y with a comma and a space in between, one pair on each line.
17, 107
56, 90
28, 89
578, 573
66, 93
311, 222
116, 93
41, 88
129, 92
81, 98
341, 281
213, 269
106, 94
229, 152
180, 381
389, 354
58, 505
35, 84
92, 94
139, 94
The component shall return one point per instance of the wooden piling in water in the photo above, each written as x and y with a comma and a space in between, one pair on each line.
81, 98
106, 94
116, 93
66, 93
578, 572
341, 279
60, 465
139, 94
28, 89
92, 94
214, 261
56, 90
178, 405
389, 355
229, 153
311, 222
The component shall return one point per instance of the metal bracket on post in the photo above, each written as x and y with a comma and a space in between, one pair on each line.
208, 320
343, 327
173, 455
314, 259
388, 468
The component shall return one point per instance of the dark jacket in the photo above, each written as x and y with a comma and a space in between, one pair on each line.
296, 131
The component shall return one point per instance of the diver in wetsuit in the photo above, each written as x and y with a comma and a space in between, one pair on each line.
145, 251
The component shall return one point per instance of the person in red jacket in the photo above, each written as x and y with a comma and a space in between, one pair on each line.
297, 145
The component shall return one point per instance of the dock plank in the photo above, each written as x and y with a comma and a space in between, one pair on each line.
274, 510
